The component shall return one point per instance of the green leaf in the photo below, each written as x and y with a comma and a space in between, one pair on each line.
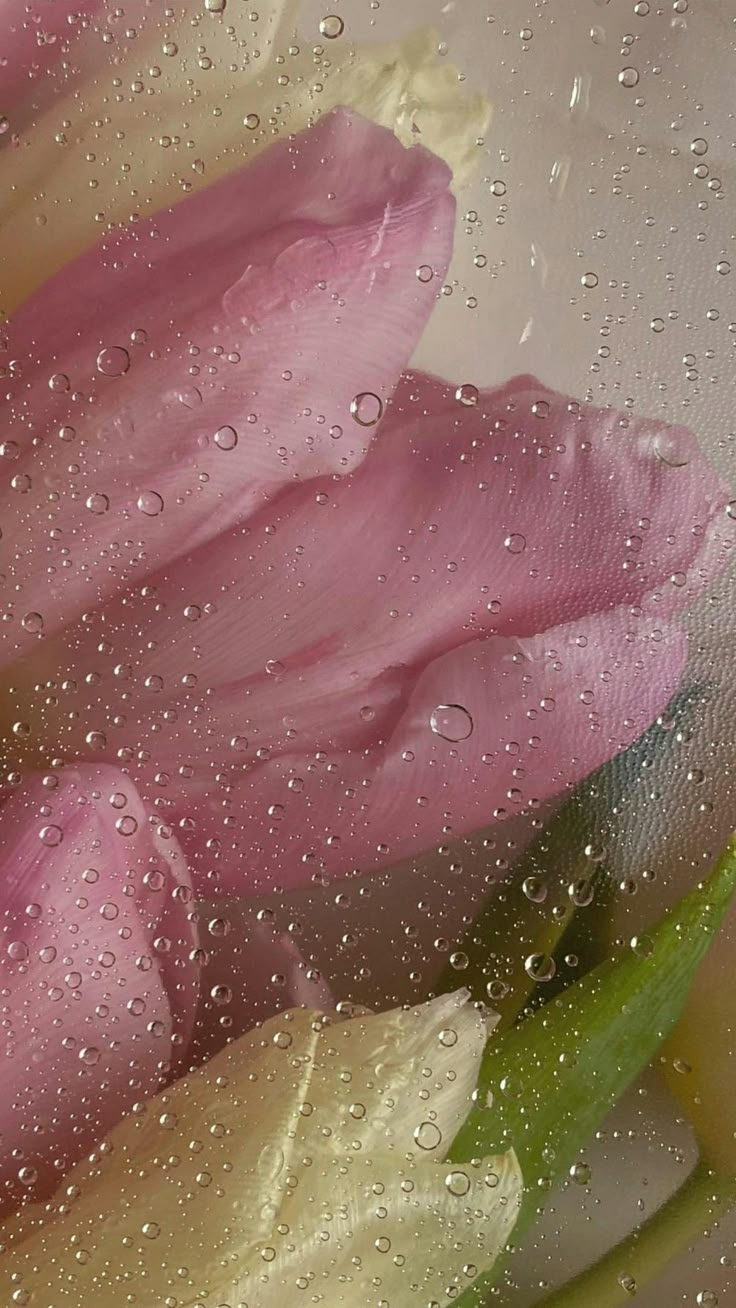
555, 902
553, 1078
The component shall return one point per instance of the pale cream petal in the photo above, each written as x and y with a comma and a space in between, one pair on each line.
371, 1232
409, 1074
195, 1180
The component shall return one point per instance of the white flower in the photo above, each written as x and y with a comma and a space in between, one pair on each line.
306, 1158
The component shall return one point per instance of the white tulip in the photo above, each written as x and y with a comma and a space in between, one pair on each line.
306, 1158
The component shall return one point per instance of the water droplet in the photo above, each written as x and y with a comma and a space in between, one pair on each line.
629, 77
498, 187
51, 836
580, 1173
18, 951
467, 394
515, 543
32, 622
425, 273
540, 967
226, 438
628, 1283
723, 267
657, 324
671, 449
699, 146
366, 408
427, 1135
97, 503
589, 280
151, 1230
331, 27
252, 122
215, 6
535, 889
707, 1299
59, 382
150, 503
458, 1183
114, 361
451, 722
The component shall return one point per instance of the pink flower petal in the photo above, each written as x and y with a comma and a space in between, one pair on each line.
170, 381
34, 39
507, 515
253, 971
100, 990
494, 726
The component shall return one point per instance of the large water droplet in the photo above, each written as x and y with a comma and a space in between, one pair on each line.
451, 722
366, 408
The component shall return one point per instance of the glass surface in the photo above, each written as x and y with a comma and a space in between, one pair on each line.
367, 636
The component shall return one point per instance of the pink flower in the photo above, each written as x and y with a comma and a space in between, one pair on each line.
98, 968
466, 625
171, 381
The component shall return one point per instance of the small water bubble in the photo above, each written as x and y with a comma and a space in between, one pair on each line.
427, 1135
657, 324
515, 543
467, 394
589, 280
629, 77
331, 27
723, 267
498, 187
425, 272
150, 503
535, 889
113, 361
540, 967
51, 836
458, 1183
451, 722
671, 449
580, 1173
226, 438
699, 146
366, 408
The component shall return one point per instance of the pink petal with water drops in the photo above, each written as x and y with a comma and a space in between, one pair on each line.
510, 513
492, 727
495, 513
98, 975
167, 383
253, 970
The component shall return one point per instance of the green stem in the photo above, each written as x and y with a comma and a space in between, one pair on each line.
703, 1198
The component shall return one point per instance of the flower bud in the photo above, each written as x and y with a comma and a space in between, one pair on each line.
307, 1156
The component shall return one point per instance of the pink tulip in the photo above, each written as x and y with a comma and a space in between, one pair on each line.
169, 382
465, 626
98, 963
